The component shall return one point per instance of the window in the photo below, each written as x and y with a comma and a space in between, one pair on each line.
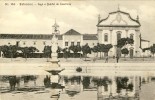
131, 36
118, 35
72, 43
78, 43
105, 37
17, 43
66, 43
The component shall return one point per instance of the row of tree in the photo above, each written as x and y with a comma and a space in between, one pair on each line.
151, 49
12, 50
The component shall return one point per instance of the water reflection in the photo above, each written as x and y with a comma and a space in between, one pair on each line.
85, 87
107, 88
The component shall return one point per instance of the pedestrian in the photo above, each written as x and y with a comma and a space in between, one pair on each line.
117, 58
94, 59
106, 59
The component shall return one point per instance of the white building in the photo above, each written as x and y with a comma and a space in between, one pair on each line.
118, 25
67, 39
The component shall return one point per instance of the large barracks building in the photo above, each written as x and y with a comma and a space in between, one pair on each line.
117, 25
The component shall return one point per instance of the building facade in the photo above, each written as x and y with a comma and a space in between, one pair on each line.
118, 25
39, 41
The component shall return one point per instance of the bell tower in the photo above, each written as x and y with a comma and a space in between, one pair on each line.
56, 28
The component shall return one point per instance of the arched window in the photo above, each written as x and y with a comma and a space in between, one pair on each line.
118, 35
105, 37
131, 36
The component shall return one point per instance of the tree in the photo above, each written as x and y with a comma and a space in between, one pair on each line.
5, 49
59, 50
95, 50
9, 51
86, 82
86, 49
152, 48
25, 51
122, 83
65, 53
75, 49
32, 50
106, 48
99, 48
47, 51
125, 51
123, 42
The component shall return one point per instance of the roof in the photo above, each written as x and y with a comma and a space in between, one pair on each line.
72, 32
145, 40
90, 37
119, 18
28, 36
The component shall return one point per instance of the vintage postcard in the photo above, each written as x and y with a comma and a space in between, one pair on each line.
77, 49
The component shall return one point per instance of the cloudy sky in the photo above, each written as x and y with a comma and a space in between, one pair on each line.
80, 15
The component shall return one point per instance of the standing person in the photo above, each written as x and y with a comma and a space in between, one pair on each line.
117, 58
106, 59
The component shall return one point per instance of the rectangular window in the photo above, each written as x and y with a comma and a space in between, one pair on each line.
78, 43
17, 43
66, 43
72, 43
131, 36
106, 37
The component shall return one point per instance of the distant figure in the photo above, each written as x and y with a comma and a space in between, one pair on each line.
106, 59
94, 59
117, 58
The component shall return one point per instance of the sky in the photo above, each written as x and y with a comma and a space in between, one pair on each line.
81, 15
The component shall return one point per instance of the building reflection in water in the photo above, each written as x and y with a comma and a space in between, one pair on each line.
106, 87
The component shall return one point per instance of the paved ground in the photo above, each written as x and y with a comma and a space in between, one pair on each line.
82, 60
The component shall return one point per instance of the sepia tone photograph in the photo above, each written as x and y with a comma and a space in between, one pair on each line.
77, 50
